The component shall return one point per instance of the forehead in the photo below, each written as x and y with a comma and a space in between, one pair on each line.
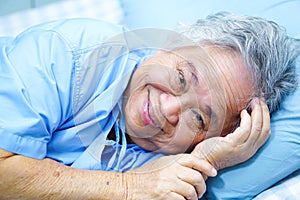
221, 69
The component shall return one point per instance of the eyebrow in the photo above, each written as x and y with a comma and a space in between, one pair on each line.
195, 79
209, 112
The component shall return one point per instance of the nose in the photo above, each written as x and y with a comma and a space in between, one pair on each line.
170, 107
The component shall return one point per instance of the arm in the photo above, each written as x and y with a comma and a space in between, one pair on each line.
27, 178
172, 177
37, 91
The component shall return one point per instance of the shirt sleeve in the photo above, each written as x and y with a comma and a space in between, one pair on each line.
37, 72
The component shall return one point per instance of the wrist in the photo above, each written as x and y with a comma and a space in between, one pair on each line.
126, 186
132, 185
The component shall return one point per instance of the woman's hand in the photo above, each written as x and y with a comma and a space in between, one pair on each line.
240, 145
170, 177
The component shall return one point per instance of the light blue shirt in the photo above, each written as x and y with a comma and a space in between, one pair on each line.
60, 94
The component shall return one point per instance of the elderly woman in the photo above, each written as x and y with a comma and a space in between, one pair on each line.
83, 101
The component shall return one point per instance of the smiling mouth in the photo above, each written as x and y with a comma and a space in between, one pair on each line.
146, 117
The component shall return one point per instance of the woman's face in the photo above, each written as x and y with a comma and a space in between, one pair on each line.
177, 99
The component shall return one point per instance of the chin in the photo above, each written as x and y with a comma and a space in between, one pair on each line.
174, 150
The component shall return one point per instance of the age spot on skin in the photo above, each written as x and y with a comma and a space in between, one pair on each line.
56, 174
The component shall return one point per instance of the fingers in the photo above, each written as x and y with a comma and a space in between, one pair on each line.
254, 130
179, 178
193, 178
186, 190
175, 196
241, 134
257, 122
201, 165
194, 174
260, 129
265, 129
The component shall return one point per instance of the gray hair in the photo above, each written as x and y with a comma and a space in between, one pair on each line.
265, 47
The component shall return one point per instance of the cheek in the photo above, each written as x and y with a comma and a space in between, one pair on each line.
184, 138
231, 123
161, 78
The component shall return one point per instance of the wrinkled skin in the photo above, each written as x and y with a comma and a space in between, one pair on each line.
171, 177
173, 107
183, 176
240, 145
179, 98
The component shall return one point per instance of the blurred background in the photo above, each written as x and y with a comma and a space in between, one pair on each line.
9, 6
18, 15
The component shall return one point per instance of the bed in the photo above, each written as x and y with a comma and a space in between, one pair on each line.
274, 172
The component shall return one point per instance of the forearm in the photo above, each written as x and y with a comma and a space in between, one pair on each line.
26, 178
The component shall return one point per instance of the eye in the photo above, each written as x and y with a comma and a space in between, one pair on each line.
198, 119
181, 79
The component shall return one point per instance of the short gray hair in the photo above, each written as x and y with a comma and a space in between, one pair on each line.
265, 47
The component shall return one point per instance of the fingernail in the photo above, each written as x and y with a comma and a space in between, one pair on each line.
262, 99
254, 101
214, 172
244, 111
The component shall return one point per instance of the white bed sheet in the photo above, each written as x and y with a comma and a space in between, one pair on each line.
286, 189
